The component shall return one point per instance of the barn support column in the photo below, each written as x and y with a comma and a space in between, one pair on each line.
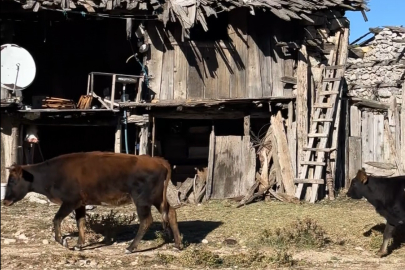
10, 141
143, 136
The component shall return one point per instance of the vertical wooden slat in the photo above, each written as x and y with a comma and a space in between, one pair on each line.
210, 73
224, 72
167, 75
144, 138
237, 33
355, 120
195, 79
355, 159
180, 73
118, 132
367, 137
277, 65
211, 153
253, 72
265, 65
378, 138
248, 164
155, 61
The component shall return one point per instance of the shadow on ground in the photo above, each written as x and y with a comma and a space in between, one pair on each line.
193, 232
398, 237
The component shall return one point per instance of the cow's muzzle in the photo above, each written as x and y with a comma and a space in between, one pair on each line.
8, 203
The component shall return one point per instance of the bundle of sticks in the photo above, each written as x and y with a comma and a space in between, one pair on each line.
58, 103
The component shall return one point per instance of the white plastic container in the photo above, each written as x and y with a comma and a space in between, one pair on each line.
3, 190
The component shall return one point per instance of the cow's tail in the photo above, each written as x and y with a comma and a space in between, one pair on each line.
166, 206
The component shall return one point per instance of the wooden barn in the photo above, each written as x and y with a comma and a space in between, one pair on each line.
242, 97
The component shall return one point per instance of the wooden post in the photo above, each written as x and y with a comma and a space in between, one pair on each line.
292, 137
9, 145
246, 125
114, 78
143, 141
210, 172
355, 121
153, 136
302, 103
117, 145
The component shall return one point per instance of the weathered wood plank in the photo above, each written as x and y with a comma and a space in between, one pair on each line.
167, 84
355, 120
224, 60
367, 140
155, 59
210, 72
9, 145
266, 64
180, 73
253, 72
402, 151
248, 165
237, 33
284, 158
211, 164
277, 65
355, 159
301, 104
143, 141
378, 138
195, 79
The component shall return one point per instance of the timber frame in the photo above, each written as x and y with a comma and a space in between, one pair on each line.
255, 104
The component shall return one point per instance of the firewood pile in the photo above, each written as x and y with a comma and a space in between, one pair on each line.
275, 177
192, 190
58, 103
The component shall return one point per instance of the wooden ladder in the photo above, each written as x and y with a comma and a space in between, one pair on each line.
327, 105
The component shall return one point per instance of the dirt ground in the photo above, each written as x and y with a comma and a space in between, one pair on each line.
343, 234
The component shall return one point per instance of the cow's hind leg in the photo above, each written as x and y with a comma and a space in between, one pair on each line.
145, 220
175, 228
63, 212
165, 225
389, 229
81, 226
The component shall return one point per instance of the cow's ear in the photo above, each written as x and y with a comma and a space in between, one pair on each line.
27, 176
362, 176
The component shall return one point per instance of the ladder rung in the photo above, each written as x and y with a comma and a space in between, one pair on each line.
319, 149
322, 105
325, 93
322, 120
314, 163
335, 67
332, 79
309, 181
318, 135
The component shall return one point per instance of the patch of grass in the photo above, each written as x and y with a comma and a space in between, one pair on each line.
304, 233
199, 257
259, 259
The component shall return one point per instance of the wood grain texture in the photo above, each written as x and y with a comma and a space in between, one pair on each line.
180, 73
155, 59
195, 79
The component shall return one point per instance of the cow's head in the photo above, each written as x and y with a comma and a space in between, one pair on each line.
19, 184
358, 185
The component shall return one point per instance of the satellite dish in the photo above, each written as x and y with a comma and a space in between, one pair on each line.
17, 67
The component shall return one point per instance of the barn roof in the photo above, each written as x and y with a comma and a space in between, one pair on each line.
187, 12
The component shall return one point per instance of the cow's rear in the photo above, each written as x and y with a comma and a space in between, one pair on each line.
98, 178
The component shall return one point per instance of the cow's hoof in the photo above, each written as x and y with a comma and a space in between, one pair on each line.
127, 251
382, 253
77, 248
65, 242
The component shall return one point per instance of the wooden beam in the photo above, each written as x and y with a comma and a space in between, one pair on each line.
289, 79
153, 136
402, 149
302, 103
355, 161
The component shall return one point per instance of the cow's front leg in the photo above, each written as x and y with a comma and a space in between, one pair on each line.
63, 212
145, 220
81, 226
389, 229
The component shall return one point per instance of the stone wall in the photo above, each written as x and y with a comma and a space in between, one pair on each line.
376, 70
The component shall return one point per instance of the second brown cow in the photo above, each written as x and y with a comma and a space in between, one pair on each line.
96, 178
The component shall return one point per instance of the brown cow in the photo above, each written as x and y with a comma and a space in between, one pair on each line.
96, 178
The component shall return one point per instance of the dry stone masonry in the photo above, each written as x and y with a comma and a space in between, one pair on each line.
376, 69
